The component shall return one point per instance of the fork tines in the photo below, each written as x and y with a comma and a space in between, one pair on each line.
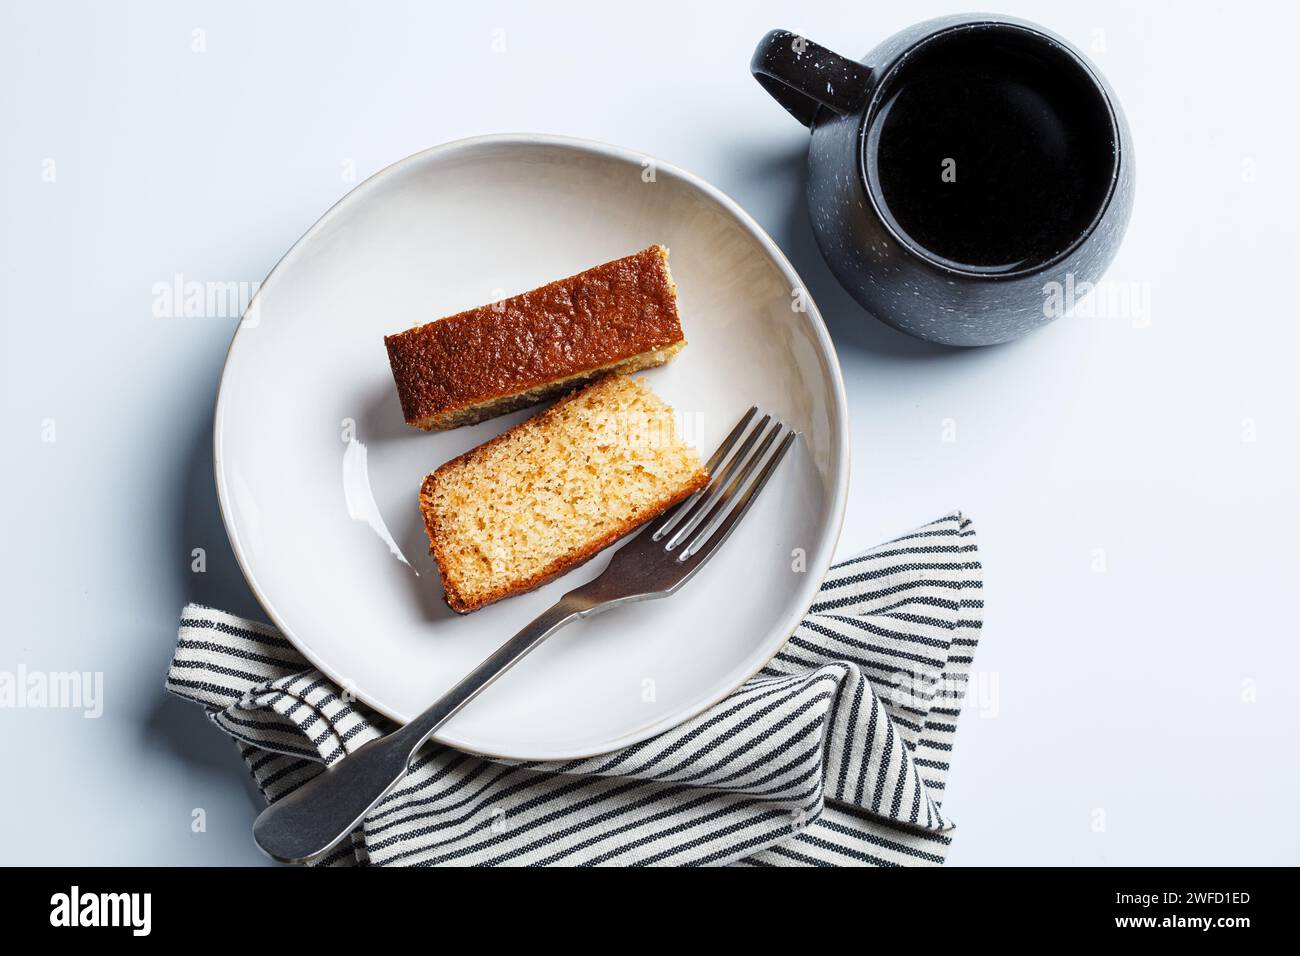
704, 520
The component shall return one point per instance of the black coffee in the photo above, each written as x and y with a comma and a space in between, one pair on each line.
990, 149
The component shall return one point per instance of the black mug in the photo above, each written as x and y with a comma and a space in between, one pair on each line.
965, 169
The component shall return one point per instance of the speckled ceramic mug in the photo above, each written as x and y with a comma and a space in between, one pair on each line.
962, 174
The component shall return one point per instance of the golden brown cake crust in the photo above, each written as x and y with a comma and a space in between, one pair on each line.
562, 331
463, 604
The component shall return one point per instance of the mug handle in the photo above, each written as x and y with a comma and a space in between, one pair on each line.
803, 76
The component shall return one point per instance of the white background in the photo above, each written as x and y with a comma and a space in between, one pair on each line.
1140, 714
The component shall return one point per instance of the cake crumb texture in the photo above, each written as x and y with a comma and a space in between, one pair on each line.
548, 494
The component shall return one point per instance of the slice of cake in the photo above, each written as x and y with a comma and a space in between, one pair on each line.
545, 496
617, 317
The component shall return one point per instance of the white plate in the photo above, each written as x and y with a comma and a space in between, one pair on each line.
317, 473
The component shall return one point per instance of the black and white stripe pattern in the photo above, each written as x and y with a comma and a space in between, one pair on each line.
835, 754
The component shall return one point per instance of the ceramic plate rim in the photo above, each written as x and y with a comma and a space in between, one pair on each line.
818, 563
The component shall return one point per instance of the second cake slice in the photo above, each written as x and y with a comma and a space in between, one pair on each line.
548, 494
617, 317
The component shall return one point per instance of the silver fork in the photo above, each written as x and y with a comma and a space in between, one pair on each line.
659, 560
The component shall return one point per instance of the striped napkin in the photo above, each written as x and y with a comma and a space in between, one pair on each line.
834, 754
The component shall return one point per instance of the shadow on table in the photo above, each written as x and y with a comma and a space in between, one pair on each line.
182, 730
199, 525
174, 726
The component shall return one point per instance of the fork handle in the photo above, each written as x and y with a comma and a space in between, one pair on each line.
307, 822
